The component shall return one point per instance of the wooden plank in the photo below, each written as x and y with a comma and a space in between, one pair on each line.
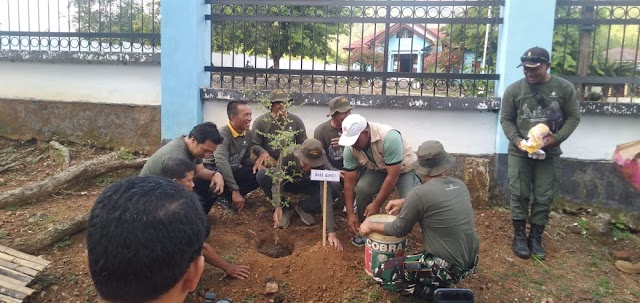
12, 293
15, 275
7, 299
17, 267
26, 263
15, 285
21, 255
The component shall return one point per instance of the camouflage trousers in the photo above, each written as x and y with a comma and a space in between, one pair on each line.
403, 273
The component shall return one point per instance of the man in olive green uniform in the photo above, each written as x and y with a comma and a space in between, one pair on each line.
328, 133
304, 158
233, 156
386, 161
442, 207
269, 124
536, 98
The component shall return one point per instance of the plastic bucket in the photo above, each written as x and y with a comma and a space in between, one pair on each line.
380, 248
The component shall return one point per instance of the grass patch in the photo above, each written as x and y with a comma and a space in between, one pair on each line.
230, 258
4, 235
66, 241
594, 262
104, 181
374, 295
12, 208
249, 299
602, 289
583, 224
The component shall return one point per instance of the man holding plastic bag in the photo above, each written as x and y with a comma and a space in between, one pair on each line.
538, 113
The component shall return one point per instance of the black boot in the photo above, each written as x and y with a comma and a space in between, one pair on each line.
424, 292
519, 244
535, 241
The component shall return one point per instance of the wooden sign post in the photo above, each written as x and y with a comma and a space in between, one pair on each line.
325, 176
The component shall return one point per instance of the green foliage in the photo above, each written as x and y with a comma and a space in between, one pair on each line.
277, 39
66, 241
583, 224
374, 295
249, 299
12, 208
104, 181
117, 16
620, 230
283, 140
603, 288
4, 235
471, 37
125, 154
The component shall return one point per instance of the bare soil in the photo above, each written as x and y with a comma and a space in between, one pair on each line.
579, 267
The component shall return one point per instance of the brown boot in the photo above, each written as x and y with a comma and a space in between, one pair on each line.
628, 267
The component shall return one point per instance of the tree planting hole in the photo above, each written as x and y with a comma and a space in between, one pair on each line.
269, 247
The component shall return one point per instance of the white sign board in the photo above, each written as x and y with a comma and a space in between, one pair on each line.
325, 175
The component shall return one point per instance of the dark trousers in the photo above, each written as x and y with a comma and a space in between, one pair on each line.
538, 177
244, 177
312, 190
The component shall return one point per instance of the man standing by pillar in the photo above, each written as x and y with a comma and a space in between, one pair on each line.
536, 98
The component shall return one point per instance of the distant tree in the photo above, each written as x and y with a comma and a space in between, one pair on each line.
277, 39
447, 60
470, 38
367, 59
117, 16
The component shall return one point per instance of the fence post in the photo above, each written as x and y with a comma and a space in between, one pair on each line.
186, 49
525, 24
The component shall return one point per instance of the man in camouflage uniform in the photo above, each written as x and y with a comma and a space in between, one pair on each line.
442, 207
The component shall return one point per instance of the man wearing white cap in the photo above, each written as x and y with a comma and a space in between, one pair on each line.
388, 164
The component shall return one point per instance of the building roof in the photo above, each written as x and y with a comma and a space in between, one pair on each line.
622, 54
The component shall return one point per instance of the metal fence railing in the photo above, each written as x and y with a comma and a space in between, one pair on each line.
596, 45
364, 47
121, 26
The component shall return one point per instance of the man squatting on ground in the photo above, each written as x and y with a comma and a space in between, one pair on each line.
536, 98
266, 124
329, 132
182, 171
388, 164
233, 156
442, 207
201, 142
144, 241
310, 155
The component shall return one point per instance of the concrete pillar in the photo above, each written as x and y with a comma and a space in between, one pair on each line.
525, 25
186, 49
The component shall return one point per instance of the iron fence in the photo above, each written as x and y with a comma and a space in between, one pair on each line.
122, 26
596, 46
411, 48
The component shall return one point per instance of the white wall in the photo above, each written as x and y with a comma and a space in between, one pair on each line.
124, 84
459, 131
597, 136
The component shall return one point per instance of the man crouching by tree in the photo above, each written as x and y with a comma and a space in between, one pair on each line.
182, 171
442, 206
144, 241
310, 155
202, 141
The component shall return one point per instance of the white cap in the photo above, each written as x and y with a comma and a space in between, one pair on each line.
352, 126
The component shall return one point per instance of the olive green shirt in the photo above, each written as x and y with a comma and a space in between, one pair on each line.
176, 148
393, 148
520, 111
231, 154
442, 207
266, 124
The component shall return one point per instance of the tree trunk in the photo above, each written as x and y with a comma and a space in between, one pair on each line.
52, 184
53, 234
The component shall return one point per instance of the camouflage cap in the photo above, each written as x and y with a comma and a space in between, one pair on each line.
279, 95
